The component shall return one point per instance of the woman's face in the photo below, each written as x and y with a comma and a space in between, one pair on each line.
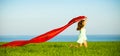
84, 22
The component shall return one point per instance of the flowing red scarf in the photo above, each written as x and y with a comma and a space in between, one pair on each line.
43, 37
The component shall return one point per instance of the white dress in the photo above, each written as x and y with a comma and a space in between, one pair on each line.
82, 36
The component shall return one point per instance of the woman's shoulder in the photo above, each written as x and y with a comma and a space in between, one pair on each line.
83, 29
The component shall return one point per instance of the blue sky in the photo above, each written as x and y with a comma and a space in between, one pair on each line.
34, 17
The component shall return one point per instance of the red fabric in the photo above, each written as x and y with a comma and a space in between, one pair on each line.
43, 37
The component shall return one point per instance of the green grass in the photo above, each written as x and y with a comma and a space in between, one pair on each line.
63, 49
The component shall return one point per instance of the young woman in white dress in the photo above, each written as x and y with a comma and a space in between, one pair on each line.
82, 38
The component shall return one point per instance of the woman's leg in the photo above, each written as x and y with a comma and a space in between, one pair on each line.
80, 44
85, 43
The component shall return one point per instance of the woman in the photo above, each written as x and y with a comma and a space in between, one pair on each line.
82, 38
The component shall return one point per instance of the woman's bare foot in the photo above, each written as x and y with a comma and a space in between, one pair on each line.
76, 46
71, 45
